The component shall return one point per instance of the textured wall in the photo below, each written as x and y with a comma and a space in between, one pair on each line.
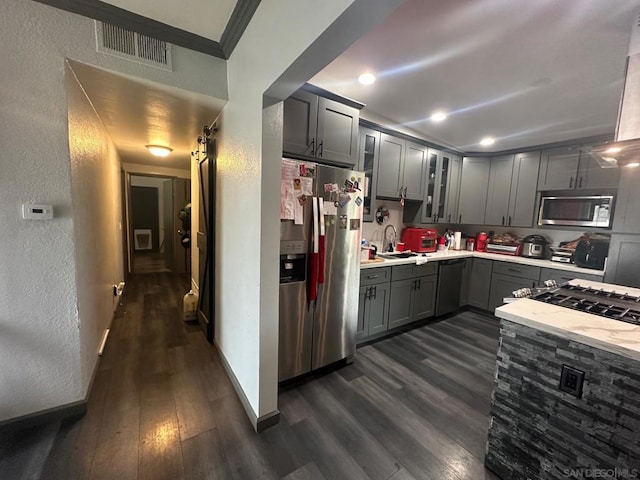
41, 335
97, 221
539, 432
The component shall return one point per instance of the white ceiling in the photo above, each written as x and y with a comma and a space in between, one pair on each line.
138, 113
525, 72
205, 18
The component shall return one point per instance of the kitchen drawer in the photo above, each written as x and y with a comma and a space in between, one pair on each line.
517, 270
402, 272
425, 269
405, 272
373, 276
562, 276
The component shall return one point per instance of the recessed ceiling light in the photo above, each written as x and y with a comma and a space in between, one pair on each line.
438, 116
633, 164
367, 78
159, 150
613, 150
486, 141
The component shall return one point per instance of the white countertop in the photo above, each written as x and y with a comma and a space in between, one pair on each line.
448, 254
614, 336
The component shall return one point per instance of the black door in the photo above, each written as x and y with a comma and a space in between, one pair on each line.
205, 239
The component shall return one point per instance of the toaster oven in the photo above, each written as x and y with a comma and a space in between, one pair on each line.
420, 240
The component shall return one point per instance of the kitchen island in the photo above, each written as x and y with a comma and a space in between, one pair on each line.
591, 428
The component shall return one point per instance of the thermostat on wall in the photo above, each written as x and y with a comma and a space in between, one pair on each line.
37, 212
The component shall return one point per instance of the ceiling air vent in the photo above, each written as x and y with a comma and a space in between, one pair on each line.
133, 46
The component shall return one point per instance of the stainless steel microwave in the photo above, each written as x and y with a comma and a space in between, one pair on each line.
587, 211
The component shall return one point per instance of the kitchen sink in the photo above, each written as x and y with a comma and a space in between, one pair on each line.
392, 255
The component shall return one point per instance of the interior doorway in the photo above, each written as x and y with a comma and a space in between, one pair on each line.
159, 224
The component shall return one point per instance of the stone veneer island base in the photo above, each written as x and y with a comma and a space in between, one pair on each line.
539, 432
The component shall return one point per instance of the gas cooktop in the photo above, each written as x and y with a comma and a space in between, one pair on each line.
609, 304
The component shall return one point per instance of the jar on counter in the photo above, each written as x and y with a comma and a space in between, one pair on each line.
471, 244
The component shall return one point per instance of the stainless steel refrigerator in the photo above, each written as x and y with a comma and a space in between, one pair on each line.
318, 304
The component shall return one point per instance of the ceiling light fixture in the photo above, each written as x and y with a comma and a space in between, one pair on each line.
632, 165
438, 116
486, 141
159, 150
613, 150
367, 78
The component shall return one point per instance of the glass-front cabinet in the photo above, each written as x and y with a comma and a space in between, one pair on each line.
369, 152
441, 200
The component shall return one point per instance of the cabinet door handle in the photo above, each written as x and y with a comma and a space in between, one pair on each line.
419, 284
320, 148
375, 292
313, 147
503, 220
405, 192
580, 185
449, 219
460, 219
371, 277
509, 219
515, 270
367, 293
571, 182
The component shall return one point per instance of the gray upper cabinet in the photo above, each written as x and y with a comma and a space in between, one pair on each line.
473, 190
559, 168
442, 185
337, 132
569, 168
401, 168
591, 175
453, 189
500, 175
415, 165
320, 128
300, 124
368, 157
390, 166
623, 263
522, 198
626, 213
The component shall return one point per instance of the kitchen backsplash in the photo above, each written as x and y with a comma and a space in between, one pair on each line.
374, 233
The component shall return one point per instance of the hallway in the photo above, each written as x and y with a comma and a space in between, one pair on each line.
411, 406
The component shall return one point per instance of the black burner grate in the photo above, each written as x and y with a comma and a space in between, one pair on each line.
617, 306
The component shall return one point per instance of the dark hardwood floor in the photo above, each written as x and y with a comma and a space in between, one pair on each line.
414, 406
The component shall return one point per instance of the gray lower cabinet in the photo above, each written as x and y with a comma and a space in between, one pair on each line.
480, 283
373, 310
502, 286
466, 282
373, 302
508, 277
400, 302
473, 190
562, 276
413, 293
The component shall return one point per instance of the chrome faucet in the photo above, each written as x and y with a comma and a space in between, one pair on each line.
392, 242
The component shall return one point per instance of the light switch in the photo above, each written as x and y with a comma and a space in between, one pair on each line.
37, 212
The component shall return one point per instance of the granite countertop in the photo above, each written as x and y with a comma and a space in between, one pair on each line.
448, 254
614, 336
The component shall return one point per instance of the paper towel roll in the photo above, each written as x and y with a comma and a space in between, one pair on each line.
457, 240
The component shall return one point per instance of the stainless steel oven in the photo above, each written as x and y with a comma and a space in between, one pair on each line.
583, 211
